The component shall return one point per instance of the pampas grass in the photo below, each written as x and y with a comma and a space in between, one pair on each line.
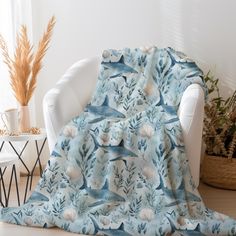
25, 65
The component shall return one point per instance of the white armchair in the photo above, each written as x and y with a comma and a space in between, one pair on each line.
74, 90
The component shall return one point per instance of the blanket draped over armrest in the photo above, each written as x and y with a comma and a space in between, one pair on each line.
119, 168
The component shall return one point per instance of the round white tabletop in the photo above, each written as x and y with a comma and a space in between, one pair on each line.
24, 137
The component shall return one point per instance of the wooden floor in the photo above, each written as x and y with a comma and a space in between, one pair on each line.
220, 200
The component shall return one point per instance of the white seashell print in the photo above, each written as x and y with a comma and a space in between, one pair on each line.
100, 153
143, 48
105, 54
105, 221
73, 172
220, 216
70, 131
104, 138
70, 214
149, 172
149, 89
146, 214
181, 221
28, 221
151, 49
146, 131
147, 49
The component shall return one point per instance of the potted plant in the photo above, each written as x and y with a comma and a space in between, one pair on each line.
219, 135
24, 67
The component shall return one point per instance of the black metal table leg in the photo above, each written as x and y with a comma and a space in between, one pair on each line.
29, 172
1, 176
39, 151
1, 196
7, 195
13, 172
16, 182
27, 169
1, 181
3, 186
2, 146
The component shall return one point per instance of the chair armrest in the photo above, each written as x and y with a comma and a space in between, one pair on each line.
68, 98
191, 112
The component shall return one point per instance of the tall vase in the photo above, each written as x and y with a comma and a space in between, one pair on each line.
24, 121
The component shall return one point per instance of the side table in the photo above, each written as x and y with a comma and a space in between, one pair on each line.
26, 138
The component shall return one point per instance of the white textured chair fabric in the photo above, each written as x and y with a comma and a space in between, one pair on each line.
74, 90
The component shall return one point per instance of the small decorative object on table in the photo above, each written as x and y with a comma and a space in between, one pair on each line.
10, 120
24, 68
2, 132
32, 130
219, 134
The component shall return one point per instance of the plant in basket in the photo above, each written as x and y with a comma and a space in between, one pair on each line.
219, 135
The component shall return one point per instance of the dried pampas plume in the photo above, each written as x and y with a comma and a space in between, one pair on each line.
25, 65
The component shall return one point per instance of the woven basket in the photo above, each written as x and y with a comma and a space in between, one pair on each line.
219, 172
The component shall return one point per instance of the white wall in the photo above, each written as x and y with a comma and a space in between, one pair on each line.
204, 30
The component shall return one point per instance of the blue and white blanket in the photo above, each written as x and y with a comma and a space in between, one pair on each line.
119, 168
